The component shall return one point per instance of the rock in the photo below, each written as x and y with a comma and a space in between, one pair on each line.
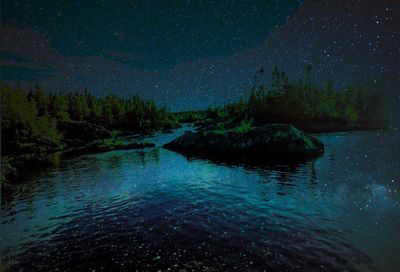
269, 142
105, 146
78, 132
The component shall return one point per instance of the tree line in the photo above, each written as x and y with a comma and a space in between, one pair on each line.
303, 104
32, 115
28, 116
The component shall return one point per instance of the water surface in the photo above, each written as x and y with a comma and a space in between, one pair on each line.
155, 209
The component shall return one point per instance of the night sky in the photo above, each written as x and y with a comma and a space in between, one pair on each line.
195, 54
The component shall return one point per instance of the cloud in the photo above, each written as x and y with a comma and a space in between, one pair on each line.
340, 39
26, 54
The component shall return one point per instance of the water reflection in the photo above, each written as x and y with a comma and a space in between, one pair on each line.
183, 235
155, 209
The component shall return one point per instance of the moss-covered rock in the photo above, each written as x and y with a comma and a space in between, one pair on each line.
78, 133
269, 141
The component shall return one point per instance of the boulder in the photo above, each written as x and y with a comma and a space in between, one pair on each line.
269, 142
82, 131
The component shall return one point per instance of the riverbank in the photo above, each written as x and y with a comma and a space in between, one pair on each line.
78, 138
216, 137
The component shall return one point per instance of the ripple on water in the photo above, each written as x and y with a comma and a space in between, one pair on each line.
154, 209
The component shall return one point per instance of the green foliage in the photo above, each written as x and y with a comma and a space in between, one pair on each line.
41, 100
190, 116
244, 126
22, 124
107, 143
78, 108
219, 129
58, 107
29, 120
223, 128
110, 145
305, 104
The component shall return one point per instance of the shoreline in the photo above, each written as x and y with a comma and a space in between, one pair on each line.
12, 164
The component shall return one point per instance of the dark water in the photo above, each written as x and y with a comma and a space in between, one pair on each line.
155, 210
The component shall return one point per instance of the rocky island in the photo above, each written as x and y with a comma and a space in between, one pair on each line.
271, 141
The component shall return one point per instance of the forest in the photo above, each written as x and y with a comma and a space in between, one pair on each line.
32, 116
277, 99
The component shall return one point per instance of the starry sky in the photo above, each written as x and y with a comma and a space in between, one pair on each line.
195, 54
151, 35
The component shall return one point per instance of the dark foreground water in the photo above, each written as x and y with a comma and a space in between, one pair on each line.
155, 210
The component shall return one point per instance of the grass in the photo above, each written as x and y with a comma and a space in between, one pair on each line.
110, 144
107, 144
244, 126
221, 129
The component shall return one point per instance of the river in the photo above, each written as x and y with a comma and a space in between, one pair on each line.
154, 209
